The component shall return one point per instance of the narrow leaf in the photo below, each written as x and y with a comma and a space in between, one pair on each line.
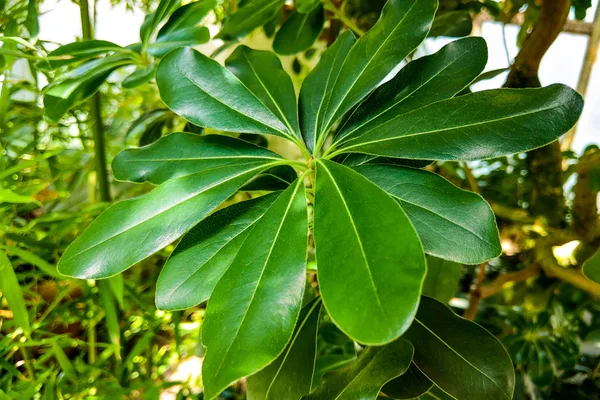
132, 230
363, 379
11, 291
442, 279
369, 258
80, 51
299, 32
452, 24
290, 375
187, 16
442, 338
453, 223
262, 73
187, 78
267, 278
140, 76
205, 253
475, 126
180, 154
251, 15
184, 37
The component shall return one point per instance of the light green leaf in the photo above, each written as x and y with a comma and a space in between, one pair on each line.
205, 253
306, 6
262, 73
11, 291
139, 77
180, 154
453, 223
8, 196
442, 279
481, 368
290, 375
31, 23
254, 307
187, 78
251, 15
132, 230
424, 81
299, 32
475, 126
363, 379
187, 16
317, 88
591, 268
184, 37
79, 51
369, 258
409, 385
402, 26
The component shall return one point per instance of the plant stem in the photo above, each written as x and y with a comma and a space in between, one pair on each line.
339, 14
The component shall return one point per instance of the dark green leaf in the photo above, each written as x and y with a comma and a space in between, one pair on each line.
183, 37
140, 76
153, 20
357, 159
132, 230
424, 81
31, 23
591, 268
299, 32
442, 279
276, 178
409, 385
251, 15
187, 16
369, 243
475, 126
187, 78
254, 307
290, 375
481, 368
204, 254
363, 379
453, 223
181, 154
401, 28
306, 6
79, 51
145, 123
262, 73
452, 24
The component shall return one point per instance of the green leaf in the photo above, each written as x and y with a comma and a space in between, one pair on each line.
290, 375
475, 126
369, 258
262, 73
132, 230
187, 16
402, 26
299, 32
317, 87
306, 6
34, 259
424, 81
409, 385
79, 51
251, 15
205, 253
363, 379
357, 159
452, 24
183, 37
591, 268
31, 23
276, 178
164, 9
180, 154
453, 223
145, 123
254, 307
140, 76
8, 196
11, 291
187, 78
441, 338
442, 279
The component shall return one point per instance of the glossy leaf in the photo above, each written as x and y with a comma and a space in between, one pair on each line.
187, 78
475, 126
132, 230
290, 375
299, 32
145, 123
79, 51
452, 24
453, 223
262, 73
187, 16
317, 88
184, 37
204, 254
11, 291
153, 20
363, 379
402, 26
441, 338
591, 268
381, 260
180, 154
139, 77
276, 178
357, 159
442, 279
424, 81
251, 15
409, 385
267, 277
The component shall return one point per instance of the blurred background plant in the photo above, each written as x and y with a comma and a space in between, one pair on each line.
67, 110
